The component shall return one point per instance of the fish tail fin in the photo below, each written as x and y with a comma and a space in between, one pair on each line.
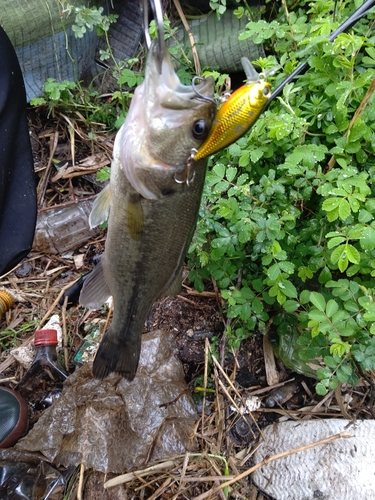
115, 355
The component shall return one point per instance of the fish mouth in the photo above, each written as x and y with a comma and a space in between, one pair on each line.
166, 84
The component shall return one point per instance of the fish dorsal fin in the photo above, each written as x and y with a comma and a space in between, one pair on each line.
100, 208
95, 290
174, 285
135, 216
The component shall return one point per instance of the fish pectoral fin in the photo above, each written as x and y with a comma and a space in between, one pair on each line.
174, 285
95, 290
100, 208
135, 217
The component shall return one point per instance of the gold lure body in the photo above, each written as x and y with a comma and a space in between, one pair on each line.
235, 117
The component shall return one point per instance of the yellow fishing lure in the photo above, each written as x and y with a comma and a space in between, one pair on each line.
237, 114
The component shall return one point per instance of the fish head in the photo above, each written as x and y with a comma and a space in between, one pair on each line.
166, 122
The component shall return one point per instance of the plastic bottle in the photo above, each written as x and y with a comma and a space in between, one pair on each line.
45, 374
63, 228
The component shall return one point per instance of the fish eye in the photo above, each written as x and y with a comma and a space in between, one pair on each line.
266, 91
199, 130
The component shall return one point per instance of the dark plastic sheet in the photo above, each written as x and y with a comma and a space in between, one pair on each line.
115, 425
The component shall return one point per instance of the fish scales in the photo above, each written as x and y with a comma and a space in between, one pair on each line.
153, 202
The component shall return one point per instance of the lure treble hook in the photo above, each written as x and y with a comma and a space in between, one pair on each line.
157, 10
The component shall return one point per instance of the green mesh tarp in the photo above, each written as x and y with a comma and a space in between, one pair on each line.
27, 21
41, 33
217, 42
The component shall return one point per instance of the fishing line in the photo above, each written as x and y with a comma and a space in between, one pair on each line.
351, 21
157, 10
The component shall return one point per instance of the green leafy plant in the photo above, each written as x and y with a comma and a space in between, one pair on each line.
287, 222
9, 336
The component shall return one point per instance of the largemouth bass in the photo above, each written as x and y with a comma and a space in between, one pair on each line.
152, 200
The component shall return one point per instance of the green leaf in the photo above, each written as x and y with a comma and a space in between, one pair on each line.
320, 389
347, 369
325, 275
333, 242
304, 296
287, 267
333, 383
288, 289
344, 209
231, 173
364, 216
317, 315
367, 241
332, 307
323, 373
305, 273
341, 376
256, 154
330, 362
273, 272
257, 306
337, 253
103, 174
219, 170
331, 204
333, 215
353, 254
290, 306
318, 300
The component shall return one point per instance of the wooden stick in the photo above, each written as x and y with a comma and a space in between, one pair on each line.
125, 478
267, 460
107, 320
272, 375
80, 483
8, 379
191, 37
202, 479
54, 139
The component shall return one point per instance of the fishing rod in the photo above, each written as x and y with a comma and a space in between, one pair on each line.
351, 21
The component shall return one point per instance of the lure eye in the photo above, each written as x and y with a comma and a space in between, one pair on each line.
199, 130
266, 91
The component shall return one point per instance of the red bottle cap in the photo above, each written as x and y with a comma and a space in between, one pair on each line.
45, 337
